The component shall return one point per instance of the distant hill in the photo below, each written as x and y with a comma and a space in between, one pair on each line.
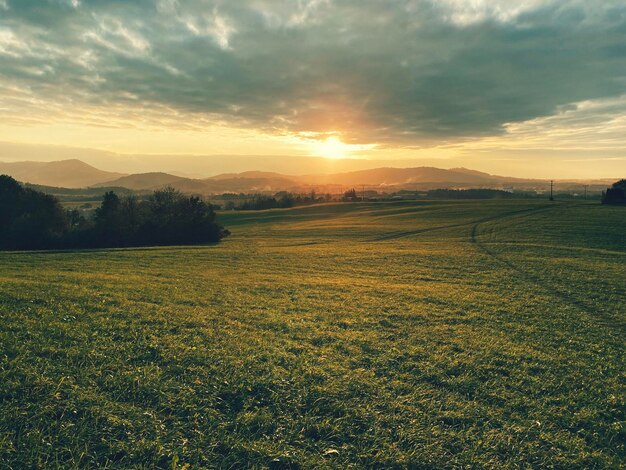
143, 181
64, 173
250, 182
402, 176
377, 177
77, 174
250, 175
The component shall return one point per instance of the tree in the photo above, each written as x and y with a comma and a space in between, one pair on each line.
350, 195
107, 219
10, 194
75, 219
33, 220
616, 194
173, 219
130, 212
29, 219
285, 199
108, 210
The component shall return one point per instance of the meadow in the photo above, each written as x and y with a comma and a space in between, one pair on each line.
410, 334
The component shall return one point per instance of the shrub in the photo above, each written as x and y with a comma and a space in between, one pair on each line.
33, 220
616, 194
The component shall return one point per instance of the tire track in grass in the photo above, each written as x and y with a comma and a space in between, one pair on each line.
538, 282
408, 233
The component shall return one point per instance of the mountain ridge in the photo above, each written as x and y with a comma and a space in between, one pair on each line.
74, 173
70, 173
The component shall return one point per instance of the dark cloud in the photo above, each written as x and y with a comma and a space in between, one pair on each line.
408, 72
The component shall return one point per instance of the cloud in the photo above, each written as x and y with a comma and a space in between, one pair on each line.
408, 73
593, 126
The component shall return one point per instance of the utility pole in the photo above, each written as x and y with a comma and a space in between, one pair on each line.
363, 192
585, 192
551, 190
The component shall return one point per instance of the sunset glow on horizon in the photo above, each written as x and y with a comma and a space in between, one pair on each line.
533, 88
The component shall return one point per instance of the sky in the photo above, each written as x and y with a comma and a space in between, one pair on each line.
533, 88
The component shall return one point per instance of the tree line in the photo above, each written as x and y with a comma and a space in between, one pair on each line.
616, 194
281, 200
30, 219
472, 194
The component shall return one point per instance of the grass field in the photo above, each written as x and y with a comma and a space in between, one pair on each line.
389, 335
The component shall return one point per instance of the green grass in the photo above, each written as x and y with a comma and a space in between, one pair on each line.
390, 335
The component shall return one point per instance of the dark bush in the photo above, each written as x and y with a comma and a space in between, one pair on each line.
33, 220
168, 217
616, 194
350, 195
471, 194
281, 200
29, 219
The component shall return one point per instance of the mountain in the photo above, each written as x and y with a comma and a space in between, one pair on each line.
77, 174
383, 177
251, 181
141, 181
249, 175
252, 185
65, 173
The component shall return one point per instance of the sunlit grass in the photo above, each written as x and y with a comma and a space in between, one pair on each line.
412, 334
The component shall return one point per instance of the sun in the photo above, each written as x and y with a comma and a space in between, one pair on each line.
332, 147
